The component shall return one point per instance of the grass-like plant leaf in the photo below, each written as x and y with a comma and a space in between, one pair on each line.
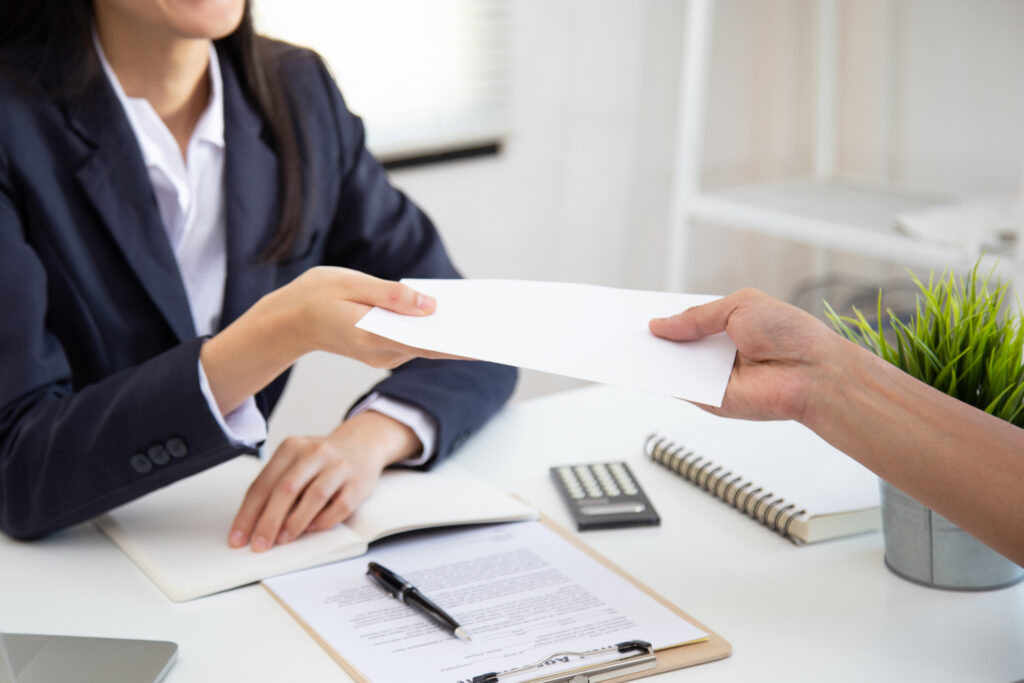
957, 340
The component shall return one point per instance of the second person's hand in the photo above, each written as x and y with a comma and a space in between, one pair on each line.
784, 355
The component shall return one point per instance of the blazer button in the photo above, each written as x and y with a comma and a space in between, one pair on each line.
140, 463
177, 447
158, 454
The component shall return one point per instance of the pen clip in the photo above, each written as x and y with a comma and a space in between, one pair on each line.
643, 660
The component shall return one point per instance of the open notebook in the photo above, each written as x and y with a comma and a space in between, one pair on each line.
779, 473
178, 535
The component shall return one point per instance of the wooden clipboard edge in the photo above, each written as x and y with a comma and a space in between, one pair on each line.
669, 659
715, 647
342, 662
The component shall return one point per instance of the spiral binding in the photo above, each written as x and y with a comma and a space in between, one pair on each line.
770, 510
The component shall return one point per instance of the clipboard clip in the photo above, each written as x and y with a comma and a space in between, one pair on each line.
642, 659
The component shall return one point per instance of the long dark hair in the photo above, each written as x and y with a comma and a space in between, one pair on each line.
62, 32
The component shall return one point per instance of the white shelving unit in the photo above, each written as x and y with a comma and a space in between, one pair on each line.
848, 216
824, 210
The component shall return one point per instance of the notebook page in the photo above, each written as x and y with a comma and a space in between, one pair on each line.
448, 495
784, 458
178, 535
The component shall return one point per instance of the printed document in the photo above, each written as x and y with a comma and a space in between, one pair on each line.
594, 333
522, 592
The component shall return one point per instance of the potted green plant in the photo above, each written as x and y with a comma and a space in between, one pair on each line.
961, 341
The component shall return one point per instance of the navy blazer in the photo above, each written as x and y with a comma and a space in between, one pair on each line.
99, 389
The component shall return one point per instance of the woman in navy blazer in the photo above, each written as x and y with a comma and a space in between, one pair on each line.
101, 367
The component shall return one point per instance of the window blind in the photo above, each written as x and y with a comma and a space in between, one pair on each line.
425, 76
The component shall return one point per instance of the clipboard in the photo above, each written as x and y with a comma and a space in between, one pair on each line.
709, 649
635, 656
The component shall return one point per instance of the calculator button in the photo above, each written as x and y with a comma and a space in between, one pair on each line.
570, 482
610, 488
588, 481
613, 509
625, 481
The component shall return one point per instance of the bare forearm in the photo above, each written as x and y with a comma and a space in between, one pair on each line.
957, 460
316, 311
382, 439
249, 354
966, 465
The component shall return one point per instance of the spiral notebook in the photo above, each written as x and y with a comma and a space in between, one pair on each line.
781, 474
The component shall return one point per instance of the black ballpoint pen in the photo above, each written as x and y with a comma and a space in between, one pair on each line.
410, 595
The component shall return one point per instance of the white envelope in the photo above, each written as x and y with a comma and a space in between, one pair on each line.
589, 332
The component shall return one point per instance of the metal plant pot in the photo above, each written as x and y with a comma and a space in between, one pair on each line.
924, 547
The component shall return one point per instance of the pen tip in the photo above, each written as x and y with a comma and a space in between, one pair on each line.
461, 633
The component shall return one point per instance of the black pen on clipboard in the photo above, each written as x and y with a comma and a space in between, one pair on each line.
406, 592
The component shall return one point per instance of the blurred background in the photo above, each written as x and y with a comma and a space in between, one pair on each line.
811, 148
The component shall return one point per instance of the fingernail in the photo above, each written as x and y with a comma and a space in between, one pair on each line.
425, 303
283, 537
236, 538
259, 544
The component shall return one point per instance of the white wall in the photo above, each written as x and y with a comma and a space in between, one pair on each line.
578, 192
953, 87
932, 94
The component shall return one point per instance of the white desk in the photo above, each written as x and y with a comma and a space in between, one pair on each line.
825, 612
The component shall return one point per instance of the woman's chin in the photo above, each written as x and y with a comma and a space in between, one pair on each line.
211, 19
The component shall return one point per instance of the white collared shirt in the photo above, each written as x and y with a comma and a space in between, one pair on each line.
190, 196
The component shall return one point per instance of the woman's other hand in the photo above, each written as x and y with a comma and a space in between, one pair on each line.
314, 483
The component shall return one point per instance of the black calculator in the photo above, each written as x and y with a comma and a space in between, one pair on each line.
603, 495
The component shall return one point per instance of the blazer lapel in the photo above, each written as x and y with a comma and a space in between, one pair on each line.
251, 199
116, 181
